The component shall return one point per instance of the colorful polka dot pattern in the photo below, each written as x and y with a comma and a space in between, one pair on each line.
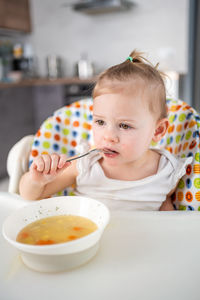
182, 139
62, 132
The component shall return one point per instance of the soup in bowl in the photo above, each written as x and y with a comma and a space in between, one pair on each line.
58, 233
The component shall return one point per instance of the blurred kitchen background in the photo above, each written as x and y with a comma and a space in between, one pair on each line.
51, 51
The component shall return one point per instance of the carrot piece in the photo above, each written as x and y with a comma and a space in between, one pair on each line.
72, 237
24, 235
76, 228
43, 242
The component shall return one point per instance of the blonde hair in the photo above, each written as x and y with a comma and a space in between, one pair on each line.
136, 67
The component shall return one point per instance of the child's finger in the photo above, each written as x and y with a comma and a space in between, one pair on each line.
47, 163
66, 165
38, 164
62, 161
54, 162
33, 166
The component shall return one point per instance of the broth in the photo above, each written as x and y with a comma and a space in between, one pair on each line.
55, 230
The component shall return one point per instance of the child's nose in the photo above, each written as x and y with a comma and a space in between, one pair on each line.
110, 135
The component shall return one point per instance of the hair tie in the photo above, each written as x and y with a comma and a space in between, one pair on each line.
130, 58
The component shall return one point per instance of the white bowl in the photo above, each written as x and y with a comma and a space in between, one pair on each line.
63, 256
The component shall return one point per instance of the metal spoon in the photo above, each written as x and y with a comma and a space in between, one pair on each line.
79, 156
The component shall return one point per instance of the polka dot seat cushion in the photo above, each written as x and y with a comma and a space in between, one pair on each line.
62, 132
182, 139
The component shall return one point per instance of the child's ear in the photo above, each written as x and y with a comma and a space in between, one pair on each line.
160, 130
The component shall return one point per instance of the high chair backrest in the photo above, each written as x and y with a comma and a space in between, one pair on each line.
62, 132
182, 139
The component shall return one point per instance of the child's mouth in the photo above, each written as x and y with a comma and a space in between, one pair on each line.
109, 152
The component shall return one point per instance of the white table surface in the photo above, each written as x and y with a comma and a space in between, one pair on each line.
143, 255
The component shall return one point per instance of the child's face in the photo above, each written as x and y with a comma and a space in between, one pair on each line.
124, 125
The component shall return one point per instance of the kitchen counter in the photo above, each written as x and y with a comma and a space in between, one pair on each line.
46, 82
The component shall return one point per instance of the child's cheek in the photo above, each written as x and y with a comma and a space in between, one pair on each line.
130, 149
97, 137
126, 147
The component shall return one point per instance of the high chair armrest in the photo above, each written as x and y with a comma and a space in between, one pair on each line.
17, 162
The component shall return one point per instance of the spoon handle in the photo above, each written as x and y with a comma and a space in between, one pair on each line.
79, 156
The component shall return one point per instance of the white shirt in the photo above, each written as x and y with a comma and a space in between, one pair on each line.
144, 194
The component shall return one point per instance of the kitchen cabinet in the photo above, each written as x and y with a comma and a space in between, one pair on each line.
46, 99
16, 120
15, 15
22, 111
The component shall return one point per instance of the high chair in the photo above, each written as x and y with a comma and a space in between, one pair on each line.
17, 162
71, 125
182, 139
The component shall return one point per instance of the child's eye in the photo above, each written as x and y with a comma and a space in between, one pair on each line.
100, 122
124, 126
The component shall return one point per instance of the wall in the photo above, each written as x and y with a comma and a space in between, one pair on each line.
157, 27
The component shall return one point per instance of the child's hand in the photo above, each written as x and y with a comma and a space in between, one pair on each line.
46, 167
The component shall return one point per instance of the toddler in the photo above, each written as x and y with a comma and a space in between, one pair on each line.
129, 111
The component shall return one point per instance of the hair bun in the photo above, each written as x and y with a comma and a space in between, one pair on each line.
137, 57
